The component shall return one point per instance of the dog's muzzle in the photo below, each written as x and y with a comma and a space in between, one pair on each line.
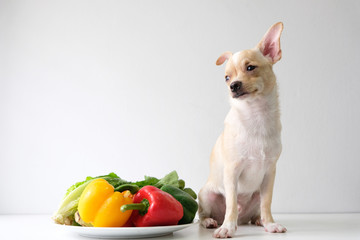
236, 89
235, 86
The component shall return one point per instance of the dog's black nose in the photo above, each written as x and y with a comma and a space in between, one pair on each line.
235, 86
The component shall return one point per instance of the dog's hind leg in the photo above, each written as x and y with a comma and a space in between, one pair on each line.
256, 220
211, 208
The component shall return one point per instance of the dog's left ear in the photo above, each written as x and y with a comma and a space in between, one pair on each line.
270, 43
223, 57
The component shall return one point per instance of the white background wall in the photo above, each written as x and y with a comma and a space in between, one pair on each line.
90, 87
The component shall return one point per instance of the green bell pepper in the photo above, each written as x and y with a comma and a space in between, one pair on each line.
189, 204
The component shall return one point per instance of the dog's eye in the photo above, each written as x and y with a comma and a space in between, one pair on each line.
250, 68
227, 78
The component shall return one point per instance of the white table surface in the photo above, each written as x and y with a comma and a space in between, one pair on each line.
300, 226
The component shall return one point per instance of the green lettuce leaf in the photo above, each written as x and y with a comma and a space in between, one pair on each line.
65, 213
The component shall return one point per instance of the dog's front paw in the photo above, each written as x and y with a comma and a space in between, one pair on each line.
274, 228
226, 230
209, 223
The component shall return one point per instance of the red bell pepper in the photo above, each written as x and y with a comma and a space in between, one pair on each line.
154, 208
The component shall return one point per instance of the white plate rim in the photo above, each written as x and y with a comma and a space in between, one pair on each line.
126, 232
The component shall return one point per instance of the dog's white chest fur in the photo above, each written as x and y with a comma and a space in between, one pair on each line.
255, 137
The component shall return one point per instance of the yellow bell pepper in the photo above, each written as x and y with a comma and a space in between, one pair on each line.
100, 205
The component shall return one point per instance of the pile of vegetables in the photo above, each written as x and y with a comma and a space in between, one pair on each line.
109, 201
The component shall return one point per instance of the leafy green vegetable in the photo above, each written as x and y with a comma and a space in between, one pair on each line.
73, 187
115, 182
68, 206
148, 181
170, 179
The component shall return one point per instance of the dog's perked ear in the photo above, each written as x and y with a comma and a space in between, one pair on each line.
270, 43
223, 57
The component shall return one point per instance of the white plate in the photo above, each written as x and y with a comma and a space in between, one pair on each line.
126, 232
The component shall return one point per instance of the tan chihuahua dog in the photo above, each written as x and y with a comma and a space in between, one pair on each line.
243, 162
